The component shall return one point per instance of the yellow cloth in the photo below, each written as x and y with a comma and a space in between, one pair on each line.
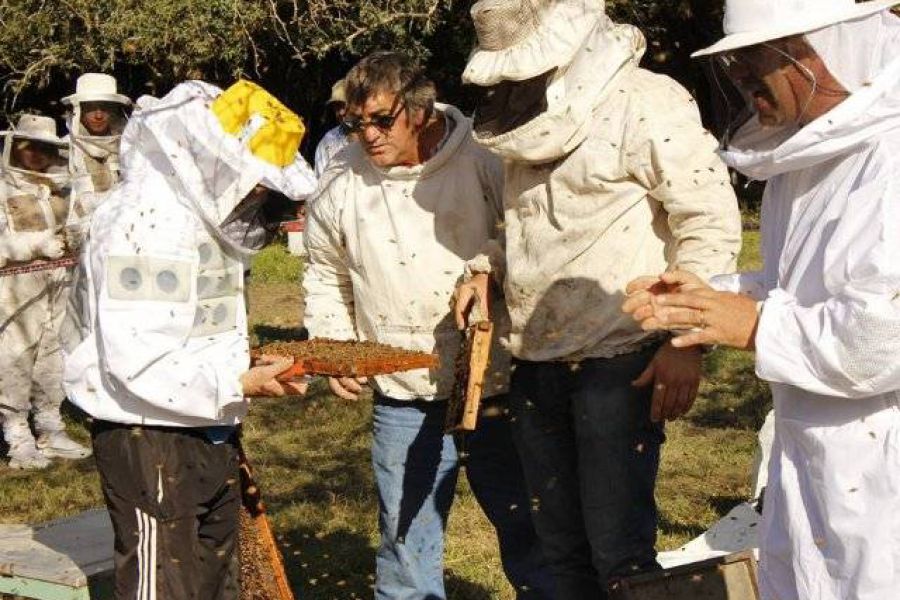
276, 139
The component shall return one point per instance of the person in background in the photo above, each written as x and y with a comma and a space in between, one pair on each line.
34, 204
337, 138
387, 238
822, 79
96, 118
156, 344
608, 173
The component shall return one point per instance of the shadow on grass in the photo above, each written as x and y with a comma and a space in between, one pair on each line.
315, 472
723, 504
671, 528
342, 565
732, 396
337, 565
266, 334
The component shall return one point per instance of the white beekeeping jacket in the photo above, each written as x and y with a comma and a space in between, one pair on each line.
158, 335
829, 333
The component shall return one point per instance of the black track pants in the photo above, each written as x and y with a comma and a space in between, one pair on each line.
173, 497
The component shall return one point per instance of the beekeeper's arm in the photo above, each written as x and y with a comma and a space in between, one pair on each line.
848, 345
490, 262
146, 307
491, 258
328, 290
671, 155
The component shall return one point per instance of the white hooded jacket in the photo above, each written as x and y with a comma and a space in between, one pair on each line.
615, 180
387, 248
158, 333
829, 340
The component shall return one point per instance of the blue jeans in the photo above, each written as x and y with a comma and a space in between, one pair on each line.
591, 455
416, 466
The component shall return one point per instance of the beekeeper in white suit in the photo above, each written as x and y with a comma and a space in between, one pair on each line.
34, 202
160, 357
823, 81
97, 115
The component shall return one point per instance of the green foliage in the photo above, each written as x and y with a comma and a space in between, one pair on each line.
296, 48
171, 39
273, 264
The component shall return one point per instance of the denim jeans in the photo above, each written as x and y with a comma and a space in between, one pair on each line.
591, 455
416, 466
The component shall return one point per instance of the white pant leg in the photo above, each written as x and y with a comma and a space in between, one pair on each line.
47, 390
24, 311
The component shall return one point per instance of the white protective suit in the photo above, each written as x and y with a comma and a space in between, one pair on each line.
159, 333
33, 210
829, 333
331, 143
602, 187
387, 247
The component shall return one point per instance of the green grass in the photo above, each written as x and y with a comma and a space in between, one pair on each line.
312, 460
274, 264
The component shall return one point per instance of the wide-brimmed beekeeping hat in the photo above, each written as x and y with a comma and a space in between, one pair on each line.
521, 39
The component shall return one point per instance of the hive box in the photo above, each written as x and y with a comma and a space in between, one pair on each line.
731, 577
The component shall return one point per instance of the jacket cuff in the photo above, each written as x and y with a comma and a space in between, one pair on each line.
479, 264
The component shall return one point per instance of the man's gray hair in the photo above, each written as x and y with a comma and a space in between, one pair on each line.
393, 73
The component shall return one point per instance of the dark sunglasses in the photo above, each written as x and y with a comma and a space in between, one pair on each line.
382, 123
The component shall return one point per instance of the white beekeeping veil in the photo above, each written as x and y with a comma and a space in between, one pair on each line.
857, 43
33, 133
214, 147
856, 52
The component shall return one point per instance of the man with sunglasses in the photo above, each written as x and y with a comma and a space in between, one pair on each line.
822, 80
412, 206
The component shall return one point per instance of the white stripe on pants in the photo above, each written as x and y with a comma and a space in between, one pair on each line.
146, 556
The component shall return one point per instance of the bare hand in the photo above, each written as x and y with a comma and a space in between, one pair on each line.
710, 317
260, 380
347, 388
675, 375
643, 291
470, 294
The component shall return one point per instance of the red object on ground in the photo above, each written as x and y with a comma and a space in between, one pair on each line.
294, 226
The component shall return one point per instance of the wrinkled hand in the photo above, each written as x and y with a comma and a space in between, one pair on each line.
643, 291
347, 388
675, 375
260, 380
708, 316
470, 294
